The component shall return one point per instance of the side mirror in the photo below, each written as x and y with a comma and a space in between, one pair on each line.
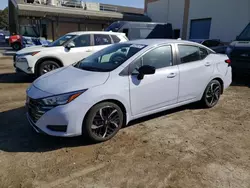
124, 50
70, 45
145, 70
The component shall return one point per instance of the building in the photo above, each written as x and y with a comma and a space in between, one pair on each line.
202, 19
54, 18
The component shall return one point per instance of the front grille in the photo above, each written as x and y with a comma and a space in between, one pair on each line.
36, 109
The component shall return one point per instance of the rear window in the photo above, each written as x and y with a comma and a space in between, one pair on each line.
115, 38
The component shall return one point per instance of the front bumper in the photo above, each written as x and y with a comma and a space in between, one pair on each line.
70, 116
24, 64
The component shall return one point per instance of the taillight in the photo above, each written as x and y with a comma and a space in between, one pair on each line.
228, 61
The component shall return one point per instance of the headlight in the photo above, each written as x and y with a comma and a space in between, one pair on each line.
62, 99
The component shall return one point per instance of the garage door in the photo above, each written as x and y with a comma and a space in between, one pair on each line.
91, 27
200, 29
64, 28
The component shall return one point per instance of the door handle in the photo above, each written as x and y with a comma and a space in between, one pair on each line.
207, 64
172, 75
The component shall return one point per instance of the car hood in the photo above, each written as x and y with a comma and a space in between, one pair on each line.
35, 49
68, 79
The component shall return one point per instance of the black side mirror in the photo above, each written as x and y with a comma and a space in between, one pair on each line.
145, 70
70, 45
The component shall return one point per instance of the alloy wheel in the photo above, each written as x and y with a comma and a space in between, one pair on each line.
49, 67
106, 122
213, 94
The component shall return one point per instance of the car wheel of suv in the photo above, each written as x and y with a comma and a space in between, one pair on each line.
46, 67
103, 121
212, 94
16, 46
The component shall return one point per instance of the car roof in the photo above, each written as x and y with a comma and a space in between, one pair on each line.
94, 32
151, 42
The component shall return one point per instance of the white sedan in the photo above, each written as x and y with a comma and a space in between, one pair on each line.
98, 95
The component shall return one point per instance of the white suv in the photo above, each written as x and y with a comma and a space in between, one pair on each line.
64, 51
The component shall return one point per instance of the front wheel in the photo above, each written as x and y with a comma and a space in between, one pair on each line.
103, 121
46, 67
16, 46
212, 94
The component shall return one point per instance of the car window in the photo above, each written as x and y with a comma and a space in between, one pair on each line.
188, 53
102, 39
115, 38
203, 53
82, 41
159, 58
109, 58
211, 43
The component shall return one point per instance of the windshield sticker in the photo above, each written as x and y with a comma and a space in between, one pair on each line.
140, 46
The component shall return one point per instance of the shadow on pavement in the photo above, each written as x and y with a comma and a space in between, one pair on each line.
193, 106
16, 78
16, 135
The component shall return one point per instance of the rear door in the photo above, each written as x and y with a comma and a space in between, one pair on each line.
101, 41
196, 69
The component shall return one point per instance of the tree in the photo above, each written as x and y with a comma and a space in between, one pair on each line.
4, 18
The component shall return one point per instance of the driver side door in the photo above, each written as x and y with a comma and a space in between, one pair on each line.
158, 90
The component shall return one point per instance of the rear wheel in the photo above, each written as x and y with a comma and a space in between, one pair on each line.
46, 67
103, 121
212, 94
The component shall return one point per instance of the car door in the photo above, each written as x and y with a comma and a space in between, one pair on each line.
101, 41
157, 90
82, 49
195, 69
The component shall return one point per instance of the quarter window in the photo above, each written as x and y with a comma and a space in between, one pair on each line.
115, 39
159, 58
188, 53
82, 41
102, 40
203, 53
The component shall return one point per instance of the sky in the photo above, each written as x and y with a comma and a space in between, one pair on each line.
132, 3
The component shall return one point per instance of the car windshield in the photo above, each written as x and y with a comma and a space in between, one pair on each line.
245, 35
61, 41
109, 58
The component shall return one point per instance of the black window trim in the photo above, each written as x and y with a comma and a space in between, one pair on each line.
129, 71
193, 45
90, 41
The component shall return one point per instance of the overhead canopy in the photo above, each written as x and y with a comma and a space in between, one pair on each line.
42, 11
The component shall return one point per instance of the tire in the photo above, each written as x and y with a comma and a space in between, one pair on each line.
97, 122
16, 46
46, 67
211, 94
